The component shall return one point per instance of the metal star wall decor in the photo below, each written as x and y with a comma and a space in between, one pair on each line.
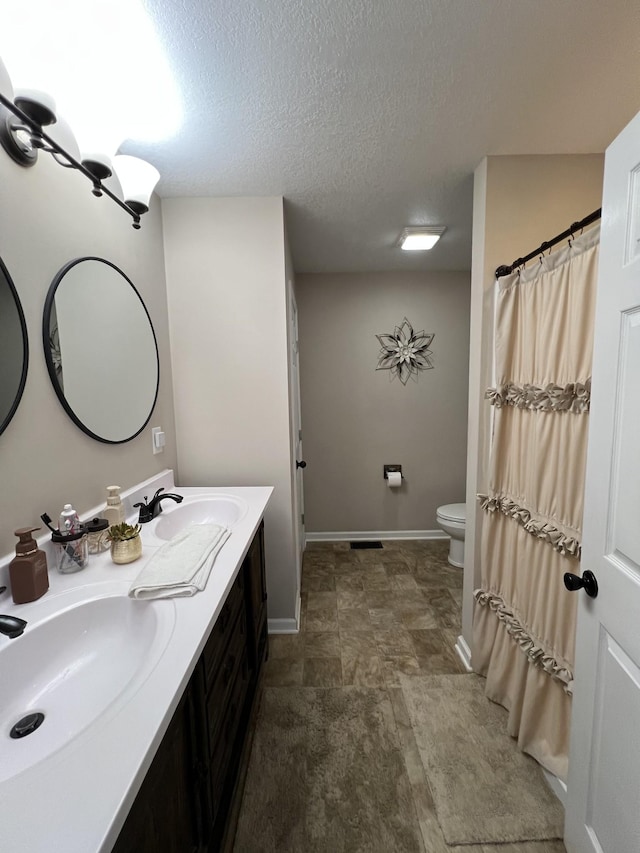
405, 352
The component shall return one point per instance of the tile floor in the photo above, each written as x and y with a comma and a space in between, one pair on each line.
369, 615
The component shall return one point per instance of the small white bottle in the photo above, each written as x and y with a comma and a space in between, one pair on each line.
68, 521
114, 510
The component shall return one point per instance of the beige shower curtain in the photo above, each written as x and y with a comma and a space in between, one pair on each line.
524, 623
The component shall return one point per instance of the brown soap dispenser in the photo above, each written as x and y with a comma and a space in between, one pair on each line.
28, 569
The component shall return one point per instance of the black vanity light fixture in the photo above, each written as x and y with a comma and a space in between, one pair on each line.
23, 116
420, 238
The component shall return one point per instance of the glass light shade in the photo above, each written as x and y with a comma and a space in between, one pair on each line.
38, 105
62, 134
5, 82
420, 239
113, 183
93, 160
98, 144
137, 177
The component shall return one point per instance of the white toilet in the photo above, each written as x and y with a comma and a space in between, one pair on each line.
452, 519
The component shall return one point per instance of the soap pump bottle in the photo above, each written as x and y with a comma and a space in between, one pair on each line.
28, 569
114, 510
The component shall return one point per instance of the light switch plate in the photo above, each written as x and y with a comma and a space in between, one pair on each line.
157, 439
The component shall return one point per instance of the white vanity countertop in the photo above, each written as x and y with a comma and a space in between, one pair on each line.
77, 799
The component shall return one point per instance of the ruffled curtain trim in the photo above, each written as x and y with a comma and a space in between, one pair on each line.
574, 397
568, 546
531, 647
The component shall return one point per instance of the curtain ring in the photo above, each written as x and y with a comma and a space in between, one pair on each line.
573, 228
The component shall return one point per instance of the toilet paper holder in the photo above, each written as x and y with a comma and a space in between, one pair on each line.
392, 469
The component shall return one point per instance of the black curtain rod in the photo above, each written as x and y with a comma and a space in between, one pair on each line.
576, 226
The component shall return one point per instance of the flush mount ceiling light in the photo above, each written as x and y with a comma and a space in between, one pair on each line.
420, 238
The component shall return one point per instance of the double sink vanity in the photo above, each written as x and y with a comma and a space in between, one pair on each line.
146, 704
122, 721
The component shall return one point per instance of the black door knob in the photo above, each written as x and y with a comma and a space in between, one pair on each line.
587, 582
302, 464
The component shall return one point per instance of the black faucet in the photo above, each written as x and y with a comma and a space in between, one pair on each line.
148, 511
12, 626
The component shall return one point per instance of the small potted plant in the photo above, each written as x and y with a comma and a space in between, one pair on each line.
126, 544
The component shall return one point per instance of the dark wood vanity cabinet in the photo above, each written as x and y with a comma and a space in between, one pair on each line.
256, 584
166, 813
188, 793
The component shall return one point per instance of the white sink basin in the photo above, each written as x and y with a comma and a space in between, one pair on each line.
225, 510
76, 666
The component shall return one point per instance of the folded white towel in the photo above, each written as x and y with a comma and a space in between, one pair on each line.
182, 566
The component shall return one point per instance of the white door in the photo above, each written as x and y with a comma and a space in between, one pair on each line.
603, 799
296, 426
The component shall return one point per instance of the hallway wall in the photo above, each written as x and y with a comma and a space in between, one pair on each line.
355, 419
226, 289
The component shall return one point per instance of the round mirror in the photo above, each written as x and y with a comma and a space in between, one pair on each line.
101, 350
14, 349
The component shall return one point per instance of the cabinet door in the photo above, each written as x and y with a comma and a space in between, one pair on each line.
225, 762
165, 814
256, 586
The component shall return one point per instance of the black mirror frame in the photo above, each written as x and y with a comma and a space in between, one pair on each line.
46, 317
25, 348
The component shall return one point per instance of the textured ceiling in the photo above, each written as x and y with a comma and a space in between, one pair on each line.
369, 115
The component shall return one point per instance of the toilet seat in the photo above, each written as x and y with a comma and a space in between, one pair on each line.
453, 512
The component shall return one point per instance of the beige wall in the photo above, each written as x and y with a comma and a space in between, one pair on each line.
226, 288
48, 216
354, 419
519, 202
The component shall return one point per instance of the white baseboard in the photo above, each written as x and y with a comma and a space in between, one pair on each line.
286, 626
366, 535
464, 652
558, 787
282, 626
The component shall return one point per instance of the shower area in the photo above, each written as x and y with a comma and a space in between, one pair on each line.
537, 324
524, 625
